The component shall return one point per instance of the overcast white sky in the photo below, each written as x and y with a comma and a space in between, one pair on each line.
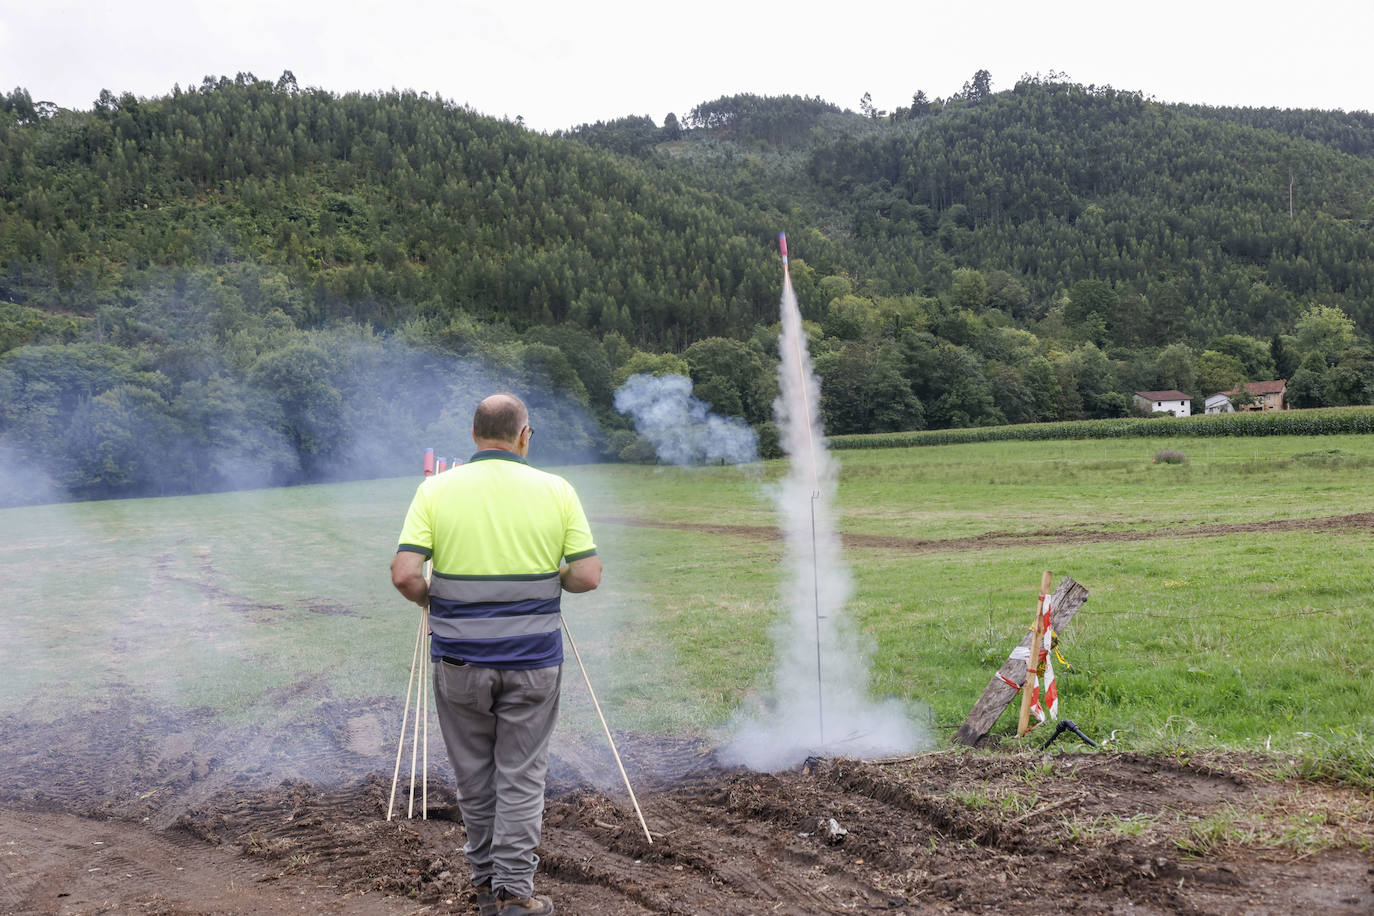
563, 63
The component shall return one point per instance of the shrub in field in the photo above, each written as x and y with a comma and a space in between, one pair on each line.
1169, 456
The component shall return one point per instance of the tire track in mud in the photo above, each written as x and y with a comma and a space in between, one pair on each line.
721, 856
995, 540
741, 843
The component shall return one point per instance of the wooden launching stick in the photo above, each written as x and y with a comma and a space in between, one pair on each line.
1033, 662
647, 835
424, 772
410, 686
421, 702
1003, 687
421, 712
424, 694
415, 740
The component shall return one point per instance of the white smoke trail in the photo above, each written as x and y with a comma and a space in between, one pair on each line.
682, 429
819, 703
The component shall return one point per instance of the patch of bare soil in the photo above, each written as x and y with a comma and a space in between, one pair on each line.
130, 812
1077, 534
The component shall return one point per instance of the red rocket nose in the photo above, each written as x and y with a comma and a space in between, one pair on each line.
782, 243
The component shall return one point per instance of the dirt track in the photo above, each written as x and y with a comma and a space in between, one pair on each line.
1074, 534
122, 816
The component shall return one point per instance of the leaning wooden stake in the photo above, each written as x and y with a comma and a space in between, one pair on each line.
578, 655
1001, 689
1029, 685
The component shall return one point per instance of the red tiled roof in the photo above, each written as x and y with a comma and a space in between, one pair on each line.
1163, 395
1259, 389
1266, 387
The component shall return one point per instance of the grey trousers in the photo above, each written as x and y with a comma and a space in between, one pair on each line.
496, 727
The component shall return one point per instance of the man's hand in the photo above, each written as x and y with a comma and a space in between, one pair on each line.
581, 575
408, 575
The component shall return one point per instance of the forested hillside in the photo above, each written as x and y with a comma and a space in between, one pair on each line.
248, 282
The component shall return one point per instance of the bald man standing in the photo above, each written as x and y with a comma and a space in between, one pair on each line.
506, 541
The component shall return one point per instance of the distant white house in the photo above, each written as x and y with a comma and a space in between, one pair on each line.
1219, 403
1174, 402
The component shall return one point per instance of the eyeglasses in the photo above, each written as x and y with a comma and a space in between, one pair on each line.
530, 430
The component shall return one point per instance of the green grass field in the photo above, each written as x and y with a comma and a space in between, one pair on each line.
1222, 638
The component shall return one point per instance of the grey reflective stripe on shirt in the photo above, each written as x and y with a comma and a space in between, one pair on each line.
494, 627
495, 590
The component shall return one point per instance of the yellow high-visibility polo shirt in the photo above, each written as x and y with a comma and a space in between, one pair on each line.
497, 531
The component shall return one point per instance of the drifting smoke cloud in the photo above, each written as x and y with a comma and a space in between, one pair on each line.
819, 702
682, 429
343, 404
199, 578
21, 482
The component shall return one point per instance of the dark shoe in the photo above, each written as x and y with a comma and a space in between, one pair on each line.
523, 906
486, 900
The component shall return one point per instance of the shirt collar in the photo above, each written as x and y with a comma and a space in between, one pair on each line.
499, 454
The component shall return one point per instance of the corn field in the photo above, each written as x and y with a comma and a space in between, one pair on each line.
1321, 422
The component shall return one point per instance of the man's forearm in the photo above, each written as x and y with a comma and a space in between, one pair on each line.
414, 588
408, 575
580, 575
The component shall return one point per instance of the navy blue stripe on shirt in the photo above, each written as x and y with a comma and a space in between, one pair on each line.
519, 653
512, 635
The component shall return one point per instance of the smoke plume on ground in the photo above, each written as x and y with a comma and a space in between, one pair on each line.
818, 702
343, 404
23, 482
245, 635
682, 429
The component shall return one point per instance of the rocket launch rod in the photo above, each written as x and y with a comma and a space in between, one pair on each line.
816, 589
815, 494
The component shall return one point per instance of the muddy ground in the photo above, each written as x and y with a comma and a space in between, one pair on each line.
115, 813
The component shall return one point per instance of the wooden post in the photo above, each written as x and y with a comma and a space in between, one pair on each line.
1068, 598
1033, 662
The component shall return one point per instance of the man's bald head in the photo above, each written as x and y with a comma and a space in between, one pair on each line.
500, 418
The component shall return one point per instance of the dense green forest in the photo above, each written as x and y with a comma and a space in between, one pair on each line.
248, 282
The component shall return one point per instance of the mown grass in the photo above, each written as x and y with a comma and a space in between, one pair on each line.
213, 601
965, 490
1195, 636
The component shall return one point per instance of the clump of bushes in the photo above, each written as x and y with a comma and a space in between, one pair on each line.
1169, 456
